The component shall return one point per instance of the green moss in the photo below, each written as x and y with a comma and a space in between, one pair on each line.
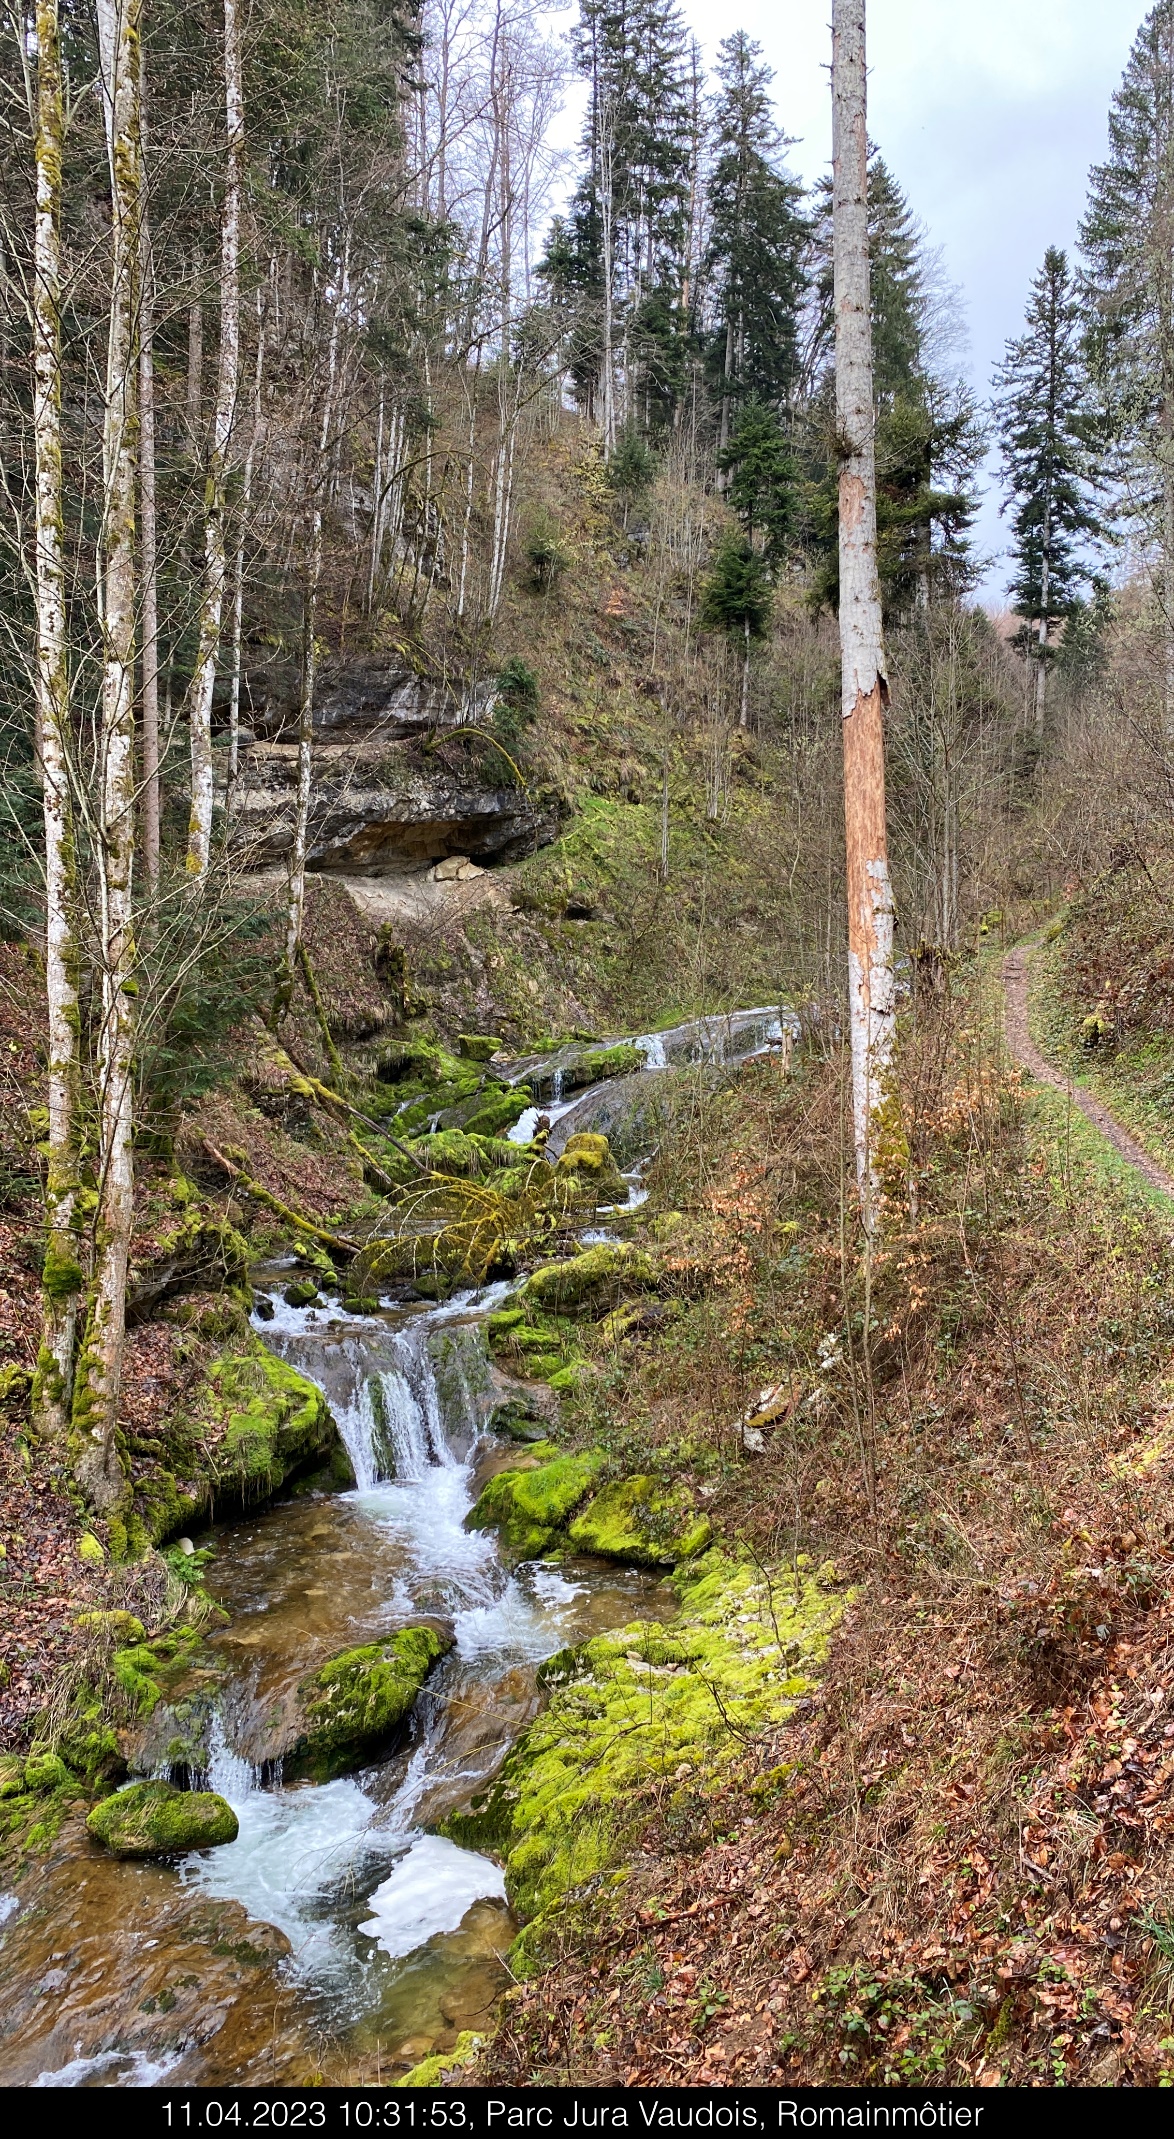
11, 1775
477, 1046
630, 1708
595, 1278
528, 1507
352, 1704
152, 1819
604, 1062
635, 1520
431, 2072
255, 1422
61, 1275
498, 1112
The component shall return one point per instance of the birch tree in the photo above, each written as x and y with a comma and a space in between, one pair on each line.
95, 1405
62, 1273
216, 486
148, 526
864, 686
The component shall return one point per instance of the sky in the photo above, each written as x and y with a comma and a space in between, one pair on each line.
988, 112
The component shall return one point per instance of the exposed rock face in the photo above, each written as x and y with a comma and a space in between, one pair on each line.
357, 701
373, 811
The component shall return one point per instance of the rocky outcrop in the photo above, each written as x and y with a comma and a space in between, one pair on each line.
373, 810
357, 701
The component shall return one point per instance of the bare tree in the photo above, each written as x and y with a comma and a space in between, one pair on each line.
63, 1276
95, 1407
864, 686
227, 389
148, 527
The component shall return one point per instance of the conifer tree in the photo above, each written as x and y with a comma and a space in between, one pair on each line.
1043, 430
1127, 239
755, 263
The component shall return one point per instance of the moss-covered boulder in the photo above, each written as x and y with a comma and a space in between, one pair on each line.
592, 1281
601, 1063
586, 1168
529, 1508
477, 1046
644, 1702
153, 1819
352, 1705
11, 1775
636, 1520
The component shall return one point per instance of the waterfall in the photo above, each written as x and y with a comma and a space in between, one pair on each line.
556, 1090
652, 1048
398, 1421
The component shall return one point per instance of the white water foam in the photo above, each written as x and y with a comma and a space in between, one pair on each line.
137, 2070
9, 1904
432, 1888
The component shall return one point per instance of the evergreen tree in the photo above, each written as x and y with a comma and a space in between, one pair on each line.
735, 598
1127, 239
759, 462
755, 262
1043, 430
619, 260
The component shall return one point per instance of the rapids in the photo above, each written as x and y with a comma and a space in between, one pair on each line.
339, 1935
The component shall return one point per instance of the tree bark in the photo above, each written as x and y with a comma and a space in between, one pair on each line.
864, 683
53, 1385
95, 1403
256, 443
227, 389
148, 531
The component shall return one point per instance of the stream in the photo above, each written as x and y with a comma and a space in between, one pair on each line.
339, 1936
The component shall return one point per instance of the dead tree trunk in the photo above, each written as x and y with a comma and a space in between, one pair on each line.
148, 532
52, 1390
864, 684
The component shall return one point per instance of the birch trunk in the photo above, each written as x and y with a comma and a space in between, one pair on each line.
1041, 665
256, 444
864, 684
95, 1404
148, 531
296, 905
227, 389
53, 1385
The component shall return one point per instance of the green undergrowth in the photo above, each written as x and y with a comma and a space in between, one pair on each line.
643, 1709
1135, 1084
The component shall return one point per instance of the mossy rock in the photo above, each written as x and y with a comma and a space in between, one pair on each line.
352, 1705
498, 1111
11, 1775
586, 1165
302, 1293
46, 1771
602, 1063
636, 1520
153, 1819
528, 1508
589, 1282
636, 1705
121, 1627
275, 1421
477, 1046
432, 2070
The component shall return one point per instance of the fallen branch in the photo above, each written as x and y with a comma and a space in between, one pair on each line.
336, 1242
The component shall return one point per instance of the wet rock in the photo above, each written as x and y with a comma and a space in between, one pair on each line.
596, 1278
373, 811
352, 1705
528, 1508
635, 1520
153, 1819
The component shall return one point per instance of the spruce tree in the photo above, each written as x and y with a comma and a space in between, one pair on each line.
759, 462
1127, 239
755, 262
1043, 430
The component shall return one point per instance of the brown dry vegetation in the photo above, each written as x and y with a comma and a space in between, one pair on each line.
956, 1864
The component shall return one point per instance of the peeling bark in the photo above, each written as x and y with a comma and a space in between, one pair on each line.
864, 684
53, 1385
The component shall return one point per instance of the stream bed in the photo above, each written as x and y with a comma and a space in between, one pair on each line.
339, 1936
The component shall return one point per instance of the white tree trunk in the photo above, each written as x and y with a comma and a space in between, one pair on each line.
256, 445
296, 903
148, 531
864, 684
227, 389
95, 1405
53, 1386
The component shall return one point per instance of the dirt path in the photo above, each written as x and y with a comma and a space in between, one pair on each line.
1024, 1050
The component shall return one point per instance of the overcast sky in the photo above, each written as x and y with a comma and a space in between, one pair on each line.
989, 112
